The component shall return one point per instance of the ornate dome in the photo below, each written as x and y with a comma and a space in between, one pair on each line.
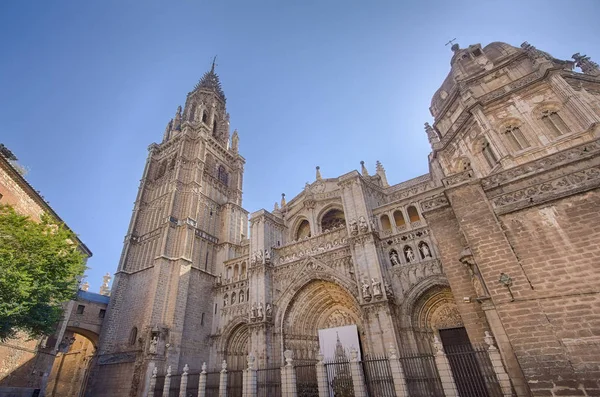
210, 81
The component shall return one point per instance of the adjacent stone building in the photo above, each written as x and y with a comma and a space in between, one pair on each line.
500, 236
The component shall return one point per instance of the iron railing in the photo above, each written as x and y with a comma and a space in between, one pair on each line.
339, 378
378, 377
422, 378
235, 383
192, 385
213, 379
306, 378
268, 382
473, 371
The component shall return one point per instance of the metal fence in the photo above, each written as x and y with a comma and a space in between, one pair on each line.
378, 377
268, 382
192, 386
422, 378
306, 378
473, 372
339, 378
235, 383
212, 384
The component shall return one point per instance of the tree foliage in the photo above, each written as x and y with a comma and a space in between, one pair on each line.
40, 265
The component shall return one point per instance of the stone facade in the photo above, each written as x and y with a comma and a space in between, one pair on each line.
500, 236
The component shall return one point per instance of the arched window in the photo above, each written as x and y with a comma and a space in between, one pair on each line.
488, 154
228, 273
424, 250
303, 230
233, 298
204, 117
247, 295
399, 218
516, 137
214, 131
333, 219
236, 271
554, 123
244, 270
202, 319
413, 215
133, 336
385, 222
192, 114
222, 174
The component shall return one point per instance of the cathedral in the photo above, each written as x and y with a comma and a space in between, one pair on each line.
500, 238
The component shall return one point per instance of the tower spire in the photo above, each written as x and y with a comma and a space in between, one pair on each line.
212, 69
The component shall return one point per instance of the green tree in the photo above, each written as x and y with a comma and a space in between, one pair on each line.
40, 265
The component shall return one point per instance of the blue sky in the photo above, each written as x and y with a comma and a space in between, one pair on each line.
86, 86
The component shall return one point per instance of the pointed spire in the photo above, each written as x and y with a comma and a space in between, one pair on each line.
319, 173
212, 69
363, 169
85, 286
235, 141
586, 65
210, 81
282, 200
381, 172
276, 207
104, 290
168, 129
177, 122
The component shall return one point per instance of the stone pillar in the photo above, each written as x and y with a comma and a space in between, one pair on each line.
288, 376
443, 367
223, 380
496, 359
358, 378
250, 378
397, 374
322, 377
202, 382
167, 385
152, 383
184, 380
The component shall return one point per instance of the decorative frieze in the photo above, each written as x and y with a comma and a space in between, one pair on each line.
458, 178
434, 202
312, 246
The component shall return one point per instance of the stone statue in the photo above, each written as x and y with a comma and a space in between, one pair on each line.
363, 226
259, 256
394, 258
269, 310
425, 251
410, 255
353, 227
219, 279
261, 310
376, 287
253, 311
267, 256
365, 290
389, 293
152, 349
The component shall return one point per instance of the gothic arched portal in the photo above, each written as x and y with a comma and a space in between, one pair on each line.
318, 305
237, 348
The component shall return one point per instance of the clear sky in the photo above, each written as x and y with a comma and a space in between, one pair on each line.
86, 86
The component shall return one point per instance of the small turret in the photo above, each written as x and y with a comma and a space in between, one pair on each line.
379, 170
363, 169
104, 289
432, 134
282, 200
318, 176
177, 121
235, 141
168, 129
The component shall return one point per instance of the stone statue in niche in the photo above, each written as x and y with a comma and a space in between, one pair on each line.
259, 257
410, 255
376, 288
466, 258
267, 256
366, 290
425, 251
152, 349
353, 227
394, 258
261, 311
219, 279
363, 226
269, 310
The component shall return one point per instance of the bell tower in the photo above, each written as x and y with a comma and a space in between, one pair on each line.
187, 219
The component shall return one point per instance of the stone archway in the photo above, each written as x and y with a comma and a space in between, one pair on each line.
236, 348
317, 305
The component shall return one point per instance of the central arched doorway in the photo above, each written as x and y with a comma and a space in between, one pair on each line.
318, 305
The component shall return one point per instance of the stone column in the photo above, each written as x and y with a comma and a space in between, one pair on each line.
322, 377
184, 381
223, 380
250, 378
152, 383
167, 385
202, 382
288, 376
443, 367
397, 374
496, 359
358, 378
